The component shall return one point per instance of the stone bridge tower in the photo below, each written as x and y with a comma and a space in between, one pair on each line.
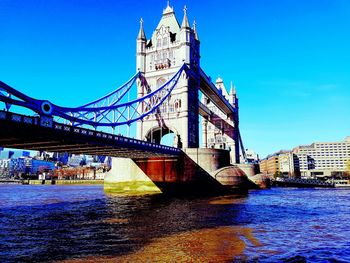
159, 58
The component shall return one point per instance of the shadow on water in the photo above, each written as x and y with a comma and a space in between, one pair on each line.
126, 227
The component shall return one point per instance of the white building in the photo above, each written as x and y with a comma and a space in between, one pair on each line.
323, 158
5, 167
288, 164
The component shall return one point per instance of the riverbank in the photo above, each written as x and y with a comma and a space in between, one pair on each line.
304, 183
10, 181
63, 182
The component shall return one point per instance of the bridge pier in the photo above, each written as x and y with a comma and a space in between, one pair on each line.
126, 177
195, 172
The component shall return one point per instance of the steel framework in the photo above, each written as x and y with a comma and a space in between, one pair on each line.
108, 111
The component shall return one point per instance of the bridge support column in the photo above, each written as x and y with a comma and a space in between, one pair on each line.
205, 133
195, 172
126, 177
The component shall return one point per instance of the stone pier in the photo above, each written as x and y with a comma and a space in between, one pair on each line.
194, 172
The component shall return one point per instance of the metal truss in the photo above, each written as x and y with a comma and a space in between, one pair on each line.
108, 111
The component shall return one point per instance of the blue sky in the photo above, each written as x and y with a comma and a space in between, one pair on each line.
290, 60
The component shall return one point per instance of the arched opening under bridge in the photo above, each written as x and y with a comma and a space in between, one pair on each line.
164, 136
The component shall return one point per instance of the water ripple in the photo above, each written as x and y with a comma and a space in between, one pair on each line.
83, 224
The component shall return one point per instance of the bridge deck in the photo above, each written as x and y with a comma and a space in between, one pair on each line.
42, 134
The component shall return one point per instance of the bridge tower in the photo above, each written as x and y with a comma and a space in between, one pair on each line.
159, 58
221, 132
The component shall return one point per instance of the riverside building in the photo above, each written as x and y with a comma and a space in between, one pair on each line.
319, 159
270, 165
323, 158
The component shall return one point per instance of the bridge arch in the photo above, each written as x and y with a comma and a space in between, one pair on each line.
156, 134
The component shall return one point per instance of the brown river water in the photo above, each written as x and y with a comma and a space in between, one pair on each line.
84, 224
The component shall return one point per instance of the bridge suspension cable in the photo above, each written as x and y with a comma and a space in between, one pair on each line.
108, 111
113, 97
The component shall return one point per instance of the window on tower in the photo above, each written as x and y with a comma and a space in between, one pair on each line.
172, 37
165, 42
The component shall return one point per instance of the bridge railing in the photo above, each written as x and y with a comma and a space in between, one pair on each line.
118, 139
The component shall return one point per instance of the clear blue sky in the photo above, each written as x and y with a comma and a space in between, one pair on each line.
290, 59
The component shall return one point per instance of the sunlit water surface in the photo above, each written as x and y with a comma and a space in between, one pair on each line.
83, 224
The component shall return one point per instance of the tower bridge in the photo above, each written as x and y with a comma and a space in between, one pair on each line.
172, 93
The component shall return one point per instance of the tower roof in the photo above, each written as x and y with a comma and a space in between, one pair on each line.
168, 20
185, 23
141, 34
219, 83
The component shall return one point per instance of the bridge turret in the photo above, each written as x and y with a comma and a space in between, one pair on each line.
233, 96
141, 49
233, 99
194, 28
185, 38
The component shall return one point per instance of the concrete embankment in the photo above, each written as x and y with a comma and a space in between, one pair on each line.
298, 182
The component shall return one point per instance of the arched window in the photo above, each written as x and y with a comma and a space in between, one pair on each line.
160, 82
177, 105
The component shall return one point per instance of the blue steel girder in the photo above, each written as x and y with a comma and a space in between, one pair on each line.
107, 111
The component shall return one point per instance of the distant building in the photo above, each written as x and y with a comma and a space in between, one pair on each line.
76, 160
323, 158
270, 165
263, 166
40, 165
23, 165
251, 156
320, 159
4, 167
288, 164
12, 167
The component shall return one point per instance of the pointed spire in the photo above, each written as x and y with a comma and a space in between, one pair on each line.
141, 34
168, 9
233, 89
195, 30
185, 23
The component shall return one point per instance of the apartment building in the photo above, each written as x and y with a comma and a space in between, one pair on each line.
270, 165
323, 158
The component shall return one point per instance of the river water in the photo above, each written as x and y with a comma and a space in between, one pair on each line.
83, 224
